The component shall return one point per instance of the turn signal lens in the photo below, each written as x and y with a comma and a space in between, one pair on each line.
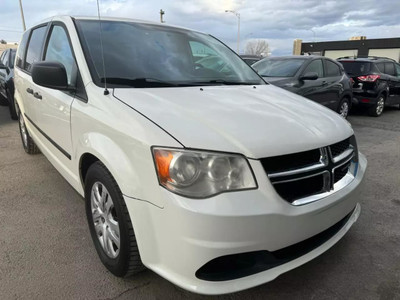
199, 174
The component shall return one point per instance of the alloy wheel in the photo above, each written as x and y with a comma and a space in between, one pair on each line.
24, 133
344, 109
380, 105
105, 220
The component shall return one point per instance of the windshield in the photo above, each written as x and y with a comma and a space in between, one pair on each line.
278, 67
356, 68
147, 55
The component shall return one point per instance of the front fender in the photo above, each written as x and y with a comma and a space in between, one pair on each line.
131, 165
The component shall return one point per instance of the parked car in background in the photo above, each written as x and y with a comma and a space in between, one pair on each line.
251, 59
7, 81
320, 79
211, 177
376, 82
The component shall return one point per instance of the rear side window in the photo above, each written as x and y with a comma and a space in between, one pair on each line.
34, 47
59, 50
356, 68
389, 69
316, 67
398, 69
332, 69
21, 50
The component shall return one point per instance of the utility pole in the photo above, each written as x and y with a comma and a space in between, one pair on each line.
238, 33
22, 15
161, 15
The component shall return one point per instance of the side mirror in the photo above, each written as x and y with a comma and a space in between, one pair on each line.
309, 76
50, 74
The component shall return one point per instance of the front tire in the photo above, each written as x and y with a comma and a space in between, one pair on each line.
27, 141
110, 224
377, 109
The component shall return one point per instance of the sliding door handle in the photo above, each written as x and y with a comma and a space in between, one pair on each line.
29, 91
37, 95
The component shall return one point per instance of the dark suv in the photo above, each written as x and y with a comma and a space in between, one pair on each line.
315, 77
376, 82
7, 80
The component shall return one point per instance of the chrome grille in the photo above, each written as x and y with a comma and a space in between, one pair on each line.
308, 176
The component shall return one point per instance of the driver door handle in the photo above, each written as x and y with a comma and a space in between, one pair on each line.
324, 82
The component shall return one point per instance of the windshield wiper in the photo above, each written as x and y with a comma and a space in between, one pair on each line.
227, 82
138, 82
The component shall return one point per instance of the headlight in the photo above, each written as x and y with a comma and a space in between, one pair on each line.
199, 174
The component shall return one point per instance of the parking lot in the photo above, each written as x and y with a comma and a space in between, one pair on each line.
46, 250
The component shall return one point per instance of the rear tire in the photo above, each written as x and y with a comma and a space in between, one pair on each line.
110, 224
11, 106
27, 142
3, 101
344, 107
377, 109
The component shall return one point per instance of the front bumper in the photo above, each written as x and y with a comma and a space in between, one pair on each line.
177, 240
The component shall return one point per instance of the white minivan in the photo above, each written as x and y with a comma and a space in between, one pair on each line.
190, 164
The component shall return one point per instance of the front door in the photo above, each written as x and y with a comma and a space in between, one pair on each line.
54, 106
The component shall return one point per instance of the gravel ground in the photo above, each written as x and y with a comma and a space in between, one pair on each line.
46, 251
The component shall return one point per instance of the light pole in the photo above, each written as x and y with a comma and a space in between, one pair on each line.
313, 34
22, 15
238, 38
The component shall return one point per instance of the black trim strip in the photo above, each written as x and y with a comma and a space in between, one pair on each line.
49, 139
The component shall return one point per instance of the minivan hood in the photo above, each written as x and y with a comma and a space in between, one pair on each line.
257, 121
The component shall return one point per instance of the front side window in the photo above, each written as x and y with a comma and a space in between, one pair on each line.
59, 50
144, 53
332, 69
6, 58
315, 67
34, 47
278, 67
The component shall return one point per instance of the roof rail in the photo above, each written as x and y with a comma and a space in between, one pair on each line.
381, 57
371, 57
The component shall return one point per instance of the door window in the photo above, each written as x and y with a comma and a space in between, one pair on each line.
316, 67
397, 69
6, 58
21, 49
59, 49
389, 69
34, 47
2, 57
332, 69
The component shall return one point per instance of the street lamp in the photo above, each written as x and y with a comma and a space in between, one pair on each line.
22, 15
238, 38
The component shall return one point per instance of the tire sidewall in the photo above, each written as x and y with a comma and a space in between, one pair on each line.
20, 133
348, 106
11, 104
97, 173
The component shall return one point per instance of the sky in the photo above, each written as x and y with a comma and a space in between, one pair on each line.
278, 22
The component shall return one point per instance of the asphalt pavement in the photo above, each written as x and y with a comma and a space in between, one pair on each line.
46, 251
